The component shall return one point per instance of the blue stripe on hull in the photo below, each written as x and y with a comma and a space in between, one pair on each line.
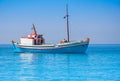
71, 49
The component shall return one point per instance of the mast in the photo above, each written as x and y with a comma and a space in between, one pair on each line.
35, 32
67, 16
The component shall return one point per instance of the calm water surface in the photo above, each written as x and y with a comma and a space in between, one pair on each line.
100, 63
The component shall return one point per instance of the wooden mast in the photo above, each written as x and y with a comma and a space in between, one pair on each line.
35, 32
67, 15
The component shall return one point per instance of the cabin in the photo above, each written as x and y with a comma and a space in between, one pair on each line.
38, 40
33, 39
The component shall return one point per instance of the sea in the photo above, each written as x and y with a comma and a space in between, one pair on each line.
101, 62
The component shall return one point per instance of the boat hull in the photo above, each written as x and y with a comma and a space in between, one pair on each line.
79, 47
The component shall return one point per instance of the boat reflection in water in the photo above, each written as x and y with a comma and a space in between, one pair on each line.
52, 66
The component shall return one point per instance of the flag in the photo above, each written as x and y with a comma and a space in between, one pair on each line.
64, 17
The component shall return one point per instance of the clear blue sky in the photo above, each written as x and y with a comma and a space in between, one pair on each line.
97, 19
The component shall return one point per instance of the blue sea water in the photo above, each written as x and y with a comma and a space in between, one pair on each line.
99, 63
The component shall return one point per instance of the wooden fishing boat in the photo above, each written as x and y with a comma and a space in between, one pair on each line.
36, 43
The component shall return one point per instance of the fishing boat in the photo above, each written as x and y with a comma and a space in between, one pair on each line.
36, 43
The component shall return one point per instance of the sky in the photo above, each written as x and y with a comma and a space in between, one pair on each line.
97, 19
